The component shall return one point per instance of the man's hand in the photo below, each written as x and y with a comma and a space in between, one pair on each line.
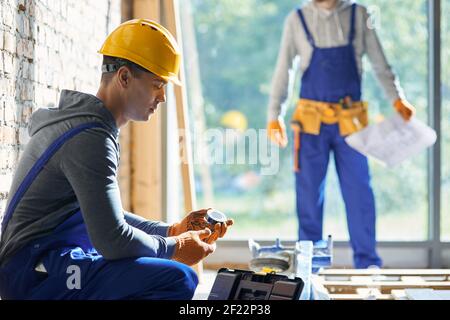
219, 230
193, 221
276, 130
404, 108
191, 247
196, 220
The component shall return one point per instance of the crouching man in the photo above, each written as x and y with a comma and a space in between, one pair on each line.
64, 233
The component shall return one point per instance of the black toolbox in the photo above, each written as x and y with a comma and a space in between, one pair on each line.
248, 285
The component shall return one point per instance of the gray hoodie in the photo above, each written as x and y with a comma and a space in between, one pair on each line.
329, 28
82, 174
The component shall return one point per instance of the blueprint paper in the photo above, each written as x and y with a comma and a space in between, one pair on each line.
393, 140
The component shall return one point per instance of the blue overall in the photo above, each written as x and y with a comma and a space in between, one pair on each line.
331, 76
75, 270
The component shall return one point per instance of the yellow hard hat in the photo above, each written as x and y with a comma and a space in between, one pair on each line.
148, 44
234, 119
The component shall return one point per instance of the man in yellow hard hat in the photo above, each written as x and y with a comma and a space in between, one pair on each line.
64, 233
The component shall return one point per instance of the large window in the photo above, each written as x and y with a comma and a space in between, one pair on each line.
236, 48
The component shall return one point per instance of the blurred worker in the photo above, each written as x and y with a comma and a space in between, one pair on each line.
64, 233
330, 37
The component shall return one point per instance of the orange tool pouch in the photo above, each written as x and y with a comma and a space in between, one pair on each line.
311, 114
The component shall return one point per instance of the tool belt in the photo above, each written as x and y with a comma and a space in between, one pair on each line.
310, 114
350, 116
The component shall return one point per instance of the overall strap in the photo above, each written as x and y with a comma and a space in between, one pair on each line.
305, 27
40, 163
352, 24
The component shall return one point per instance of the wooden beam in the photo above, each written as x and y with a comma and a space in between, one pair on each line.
124, 178
384, 287
126, 10
387, 272
146, 184
187, 173
172, 23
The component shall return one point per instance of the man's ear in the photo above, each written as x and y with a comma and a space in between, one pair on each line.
123, 76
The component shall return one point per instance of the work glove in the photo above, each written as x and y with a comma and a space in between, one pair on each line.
404, 108
276, 130
193, 246
196, 220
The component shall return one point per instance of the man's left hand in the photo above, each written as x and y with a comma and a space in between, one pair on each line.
404, 108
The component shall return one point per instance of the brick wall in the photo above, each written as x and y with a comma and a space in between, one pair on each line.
45, 46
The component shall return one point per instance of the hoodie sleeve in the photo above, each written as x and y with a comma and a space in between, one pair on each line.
89, 161
149, 227
284, 75
382, 69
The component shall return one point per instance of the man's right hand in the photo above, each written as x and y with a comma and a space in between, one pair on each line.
276, 130
192, 247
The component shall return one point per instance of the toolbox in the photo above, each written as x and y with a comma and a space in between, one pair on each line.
248, 285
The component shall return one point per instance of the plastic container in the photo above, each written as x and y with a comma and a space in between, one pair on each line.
214, 216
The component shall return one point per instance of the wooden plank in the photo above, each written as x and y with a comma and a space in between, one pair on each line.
356, 296
412, 279
393, 272
361, 279
369, 293
346, 296
126, 10
146, 184
124, 177
377, 277
384, 287
318, 289
399, 295
348, 284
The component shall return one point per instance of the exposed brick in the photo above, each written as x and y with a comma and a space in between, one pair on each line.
26, 112
23, 136
8, 157
9, 42
8, 135
8, 14
27, 91
7, 87
2, 36
45, 46
9, 63
9, 111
